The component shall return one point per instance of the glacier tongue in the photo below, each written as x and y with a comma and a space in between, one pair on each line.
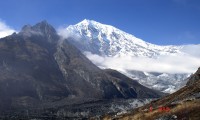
107, 41
164, 82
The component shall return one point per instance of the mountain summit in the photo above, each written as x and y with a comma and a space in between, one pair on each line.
107, 40
41, 29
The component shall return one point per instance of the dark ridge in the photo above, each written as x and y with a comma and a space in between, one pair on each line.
41, 29
194, 77
39, 71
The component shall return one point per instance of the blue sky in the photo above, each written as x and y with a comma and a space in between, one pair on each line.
160, 22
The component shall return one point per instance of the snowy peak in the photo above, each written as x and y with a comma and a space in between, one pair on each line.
87, 22
109, 47
107, 40
109, 31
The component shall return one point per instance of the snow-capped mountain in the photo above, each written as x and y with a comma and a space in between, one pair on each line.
109, 41
105, 42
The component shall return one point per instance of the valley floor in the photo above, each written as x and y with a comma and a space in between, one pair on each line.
188, 110
93, 109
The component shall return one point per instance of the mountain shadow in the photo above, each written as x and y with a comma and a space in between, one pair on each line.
40, 70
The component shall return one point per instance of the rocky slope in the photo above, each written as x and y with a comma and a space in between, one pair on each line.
127, 82
194, 78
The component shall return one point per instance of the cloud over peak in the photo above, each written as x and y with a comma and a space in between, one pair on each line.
164, 64
5, 30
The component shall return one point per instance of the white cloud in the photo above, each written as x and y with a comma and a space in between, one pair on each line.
5, 30
66, 33
166, 64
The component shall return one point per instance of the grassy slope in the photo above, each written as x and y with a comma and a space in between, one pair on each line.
180, 103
